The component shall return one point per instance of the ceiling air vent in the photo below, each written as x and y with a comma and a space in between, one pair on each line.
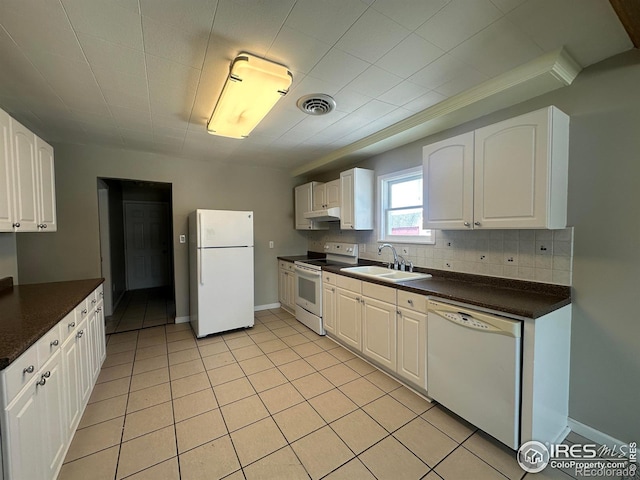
316, 104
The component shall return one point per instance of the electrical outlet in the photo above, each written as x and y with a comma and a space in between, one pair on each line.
270, 243
183, 239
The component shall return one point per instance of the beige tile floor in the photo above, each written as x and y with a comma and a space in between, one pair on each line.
144, 308
275, 401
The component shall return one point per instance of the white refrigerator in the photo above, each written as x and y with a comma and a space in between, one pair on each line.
221, 270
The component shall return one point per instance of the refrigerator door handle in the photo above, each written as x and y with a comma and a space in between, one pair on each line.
200, 269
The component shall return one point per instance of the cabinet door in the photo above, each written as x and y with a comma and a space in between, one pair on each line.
329, 308
291, 290
84, 356
319, 193
25, 435
412, 346
24, 178
51, 396
283, 291
379, 331
303, 203
46, 187
347, 181
332, 193
356, 199
71, 358
513, 178
6, 174
448, 183
348, 318
94, 341
102, 339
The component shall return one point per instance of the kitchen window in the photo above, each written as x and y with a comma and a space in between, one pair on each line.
400, 208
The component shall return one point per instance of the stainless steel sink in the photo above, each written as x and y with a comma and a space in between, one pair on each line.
385, 274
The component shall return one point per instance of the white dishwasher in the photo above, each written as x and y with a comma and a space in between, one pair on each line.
473, 368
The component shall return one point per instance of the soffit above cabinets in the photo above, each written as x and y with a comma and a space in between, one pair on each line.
146, 75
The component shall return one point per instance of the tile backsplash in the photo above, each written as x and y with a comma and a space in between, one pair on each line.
536, 255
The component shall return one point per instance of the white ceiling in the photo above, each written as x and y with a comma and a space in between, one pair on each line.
145, 74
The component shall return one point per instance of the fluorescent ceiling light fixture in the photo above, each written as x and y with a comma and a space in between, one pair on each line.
253, 87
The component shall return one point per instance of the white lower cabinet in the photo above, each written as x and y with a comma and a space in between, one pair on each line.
44, 393
412, 338
379, 324
287, 286
349, 311
36, 420
329, 296
386, 325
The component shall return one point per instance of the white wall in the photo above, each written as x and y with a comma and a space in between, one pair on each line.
73, 251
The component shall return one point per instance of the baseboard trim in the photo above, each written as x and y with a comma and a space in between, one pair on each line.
595, 435
269, 306
182, 319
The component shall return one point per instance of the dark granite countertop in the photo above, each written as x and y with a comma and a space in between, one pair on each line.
27, 312
514, 297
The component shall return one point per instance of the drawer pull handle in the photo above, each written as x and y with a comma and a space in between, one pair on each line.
16, 225
84, 311
29, 369
410, 302
80, 333
72, 324
43, 379
93, 302
54, 343
46, 374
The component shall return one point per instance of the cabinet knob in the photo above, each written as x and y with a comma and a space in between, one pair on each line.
93, 302
477, 224
46, 374
72, 324
54, 343
42, 381
16, 225
29, 369
99, 309
80, 333
333, 289
44, 225
84, 311
399, 312
410, 302
467, 224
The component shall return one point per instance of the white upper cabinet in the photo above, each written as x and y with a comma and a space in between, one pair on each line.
521, 172
356, 197
448, 183
25, 182
46, 187
516, 176
318, 192
6, 174
303, 204
326, 195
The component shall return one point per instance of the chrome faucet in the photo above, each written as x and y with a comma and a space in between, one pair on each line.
395, 255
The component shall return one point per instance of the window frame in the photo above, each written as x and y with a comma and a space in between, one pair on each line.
382, 208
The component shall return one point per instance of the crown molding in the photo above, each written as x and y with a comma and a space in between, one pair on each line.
548, 72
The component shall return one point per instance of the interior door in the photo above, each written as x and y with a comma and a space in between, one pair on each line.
146, 245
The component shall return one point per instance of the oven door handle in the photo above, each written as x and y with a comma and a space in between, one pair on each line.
307, 272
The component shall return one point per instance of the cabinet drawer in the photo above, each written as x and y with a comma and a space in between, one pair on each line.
413, 301
49, 343
379, 292
349, 283
329, 278
92, 300
22, 370
287, 266
67, 326
99, 293
82, 310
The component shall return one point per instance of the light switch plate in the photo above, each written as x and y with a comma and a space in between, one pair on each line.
183, 239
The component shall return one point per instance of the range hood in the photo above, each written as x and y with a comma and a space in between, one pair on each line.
327, 215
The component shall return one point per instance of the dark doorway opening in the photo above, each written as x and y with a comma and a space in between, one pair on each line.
136, 231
